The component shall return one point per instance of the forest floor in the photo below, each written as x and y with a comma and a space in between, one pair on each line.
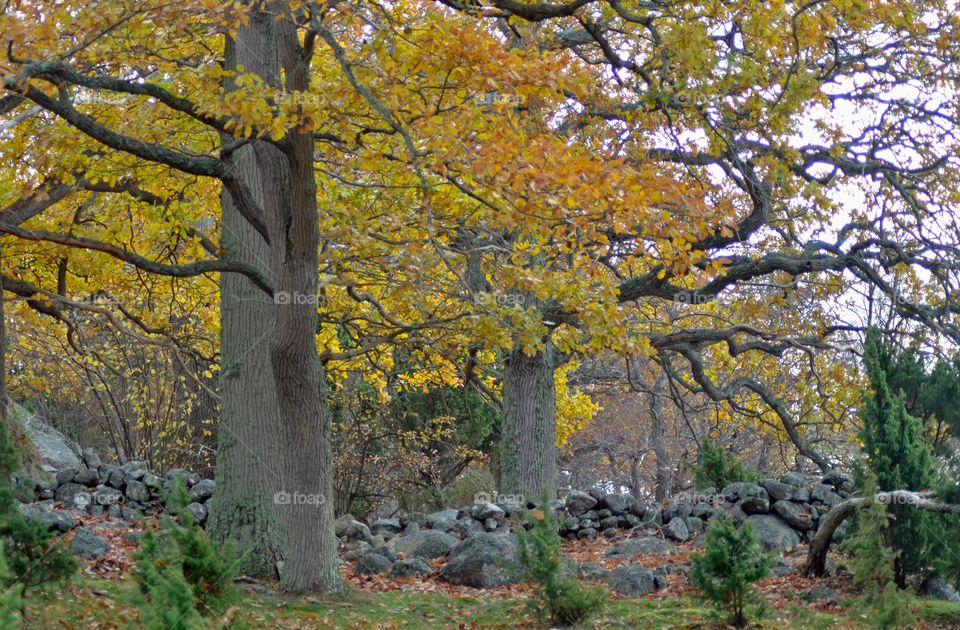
101, 598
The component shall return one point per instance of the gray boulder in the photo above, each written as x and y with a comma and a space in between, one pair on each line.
794, 514
428, 543
824, 494
198, 511
617, 502
389, 525
772, 532
371, 563
55, 449
55, 520
88, 544
677, 530
202, 490
106, 496
442, 520
355, 530
134, 469
483, 561
838, 480
631, 580
483, 510
578, 503
794, 479
88, 477
90, 458
410, 567
68, 492
137, 491
778, 490
591, 571
740, 490
940, 588
66, 475
467, 526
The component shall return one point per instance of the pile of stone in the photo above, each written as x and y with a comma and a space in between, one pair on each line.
128, 491
479, 545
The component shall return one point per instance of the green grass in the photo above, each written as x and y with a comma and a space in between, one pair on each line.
92, 603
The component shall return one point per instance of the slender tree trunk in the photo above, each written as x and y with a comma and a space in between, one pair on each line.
248, 466
528, 444
658, 419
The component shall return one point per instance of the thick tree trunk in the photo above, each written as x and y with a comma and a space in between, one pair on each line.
528, 444
312, 561
820, 545
248, 469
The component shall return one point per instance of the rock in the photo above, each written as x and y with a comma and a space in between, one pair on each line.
639, 510
777, 490
740, 490
429, 543
55, 520
90, 458
736, 515
772, 532
96, 510
68, 492
491, 524
442, 520
177, 473
152, 481
340, 525
483, 510
578, 503
88, 544
782, 568
46, 490
677, 530
356, 549
410, 567
53, 447
115, 479
617, 502
680, 505
88, 477
609, 522
483, 561
824, 494
66, 475
838, 480
467, 526
587, 533
794, 514
642, 545
694, 525
137, 491
755, 505
938, 587
371, 563
821, 593
202, 490
198, 511
801, 495
794, 479
114, 511
571, 523
390, 525
131, 513
631, 580
591, 571
356, 531
107, 496
134, 469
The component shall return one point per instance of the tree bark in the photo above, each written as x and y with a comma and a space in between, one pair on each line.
528, 441
248, 472
817, 555
658, 419
312, 562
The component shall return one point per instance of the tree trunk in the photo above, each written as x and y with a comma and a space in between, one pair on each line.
658, 419
312, 563
528, 444
817, 555
248, 472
